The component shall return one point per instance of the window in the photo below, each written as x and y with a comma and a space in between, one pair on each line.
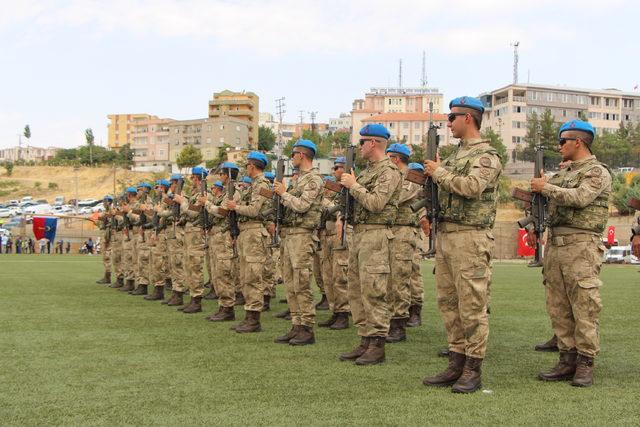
208, 140
237, 141
416, 138
416, 125
405, 125
238, 128
517, 125
160, 152
516, 139
222, 139
517, 109
627, 117
391, 125
549, 96
177, 130
564, 113
595, 100
221, 127
209, 128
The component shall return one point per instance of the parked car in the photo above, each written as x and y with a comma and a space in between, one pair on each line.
88, 202
98, 208
5, 213
616, 254
5, 232
42, 202
13, 202
26, 199
38, 210
631, 259
86, 210
62, 209
59, 201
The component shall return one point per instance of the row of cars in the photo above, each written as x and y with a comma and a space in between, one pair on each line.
620, 255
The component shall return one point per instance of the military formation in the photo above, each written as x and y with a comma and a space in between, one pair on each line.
357, 236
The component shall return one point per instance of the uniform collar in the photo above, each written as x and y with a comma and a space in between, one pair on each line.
466, 143
578, 163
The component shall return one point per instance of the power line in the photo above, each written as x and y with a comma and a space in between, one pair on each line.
280, 111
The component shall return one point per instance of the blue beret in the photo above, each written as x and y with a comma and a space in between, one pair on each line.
144, 185
306, 144
229, 165
375, 130
218, 184
270, 176
400, 149
416, 167
163, 182
200, 171
578, 125
132, 190
341, 159
258, 156
330, 178
175, 176
108, 197
467, 102
247, 179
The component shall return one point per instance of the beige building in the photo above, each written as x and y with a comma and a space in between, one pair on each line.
393, 100
27, 153
149, 140
411, 128
507, 108
240, 106
343, 122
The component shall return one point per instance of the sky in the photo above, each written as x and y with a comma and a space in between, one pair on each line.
66, 65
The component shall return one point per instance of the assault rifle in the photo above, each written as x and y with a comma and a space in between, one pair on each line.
277, 208
430, 201
175, 207
204, 215
536, 205
347, 204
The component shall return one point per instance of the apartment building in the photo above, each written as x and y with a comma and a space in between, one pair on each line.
240, 106
411, 128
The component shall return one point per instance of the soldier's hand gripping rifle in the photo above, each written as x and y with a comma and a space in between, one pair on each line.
204, 215
430, 201
536, 204
347, 202
232, 216
277, 208
175, 207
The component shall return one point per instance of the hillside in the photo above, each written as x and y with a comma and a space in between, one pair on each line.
92, 182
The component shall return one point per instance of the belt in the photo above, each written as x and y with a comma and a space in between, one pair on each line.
366, 227
249, 224
296, 230
450, 227
573, 238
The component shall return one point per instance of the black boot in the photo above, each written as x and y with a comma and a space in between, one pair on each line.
329, 322
323, 304
140, 290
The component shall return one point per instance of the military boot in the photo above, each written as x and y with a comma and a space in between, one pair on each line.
374, 353
358, 351
584, 372
168, 285
251, 323
551, 345
118, 283
239, 298
224, 314
451, 374
564, 369
323, 304
266, 304
443, 353
470, 380
342, 322
284, 315
305, 336
194, 306
211, 295
106, 279
140, 290
329, 321
284, 339
158, 294
415, 316
128, 286
176, 299
397, 331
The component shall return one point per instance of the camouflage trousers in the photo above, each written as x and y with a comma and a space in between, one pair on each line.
299, 247
252, 252
106, 256
416, 283
369, 271
143, 260
159, 258
334, 264
222, 261
269, 272
317, 270
463, 272
403, 249
193, 260
571, 276
116, 254
175, 245
129, 256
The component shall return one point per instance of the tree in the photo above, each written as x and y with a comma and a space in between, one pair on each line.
189, 157
88, 136
27, 132
495, 140
546, 129
447, 150
266, 138
125, 156
221, 157
610, 148
9, 167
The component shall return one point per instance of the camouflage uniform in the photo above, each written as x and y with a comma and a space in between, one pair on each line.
193, 241
159, 251
303, 209
107, 233
116, 248
175, 246
417, 285
578, 212
142, 250
376, 193
468, 195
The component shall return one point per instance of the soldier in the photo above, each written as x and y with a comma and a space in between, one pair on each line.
175, 242
303, 208
252, 242
468, 196
403, 247
128, 245
107, 231
416, 283
223, 246
117, 238
635, 237
578, 203
269, 270
376, 192
158, 238
138, 217
193, 240
215, 195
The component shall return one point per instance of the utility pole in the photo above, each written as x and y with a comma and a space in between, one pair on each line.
312, 114
301, 122
280, 111
424, 69
400, 75
515, 61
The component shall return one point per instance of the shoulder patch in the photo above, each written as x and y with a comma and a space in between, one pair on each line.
485, 161
597, 171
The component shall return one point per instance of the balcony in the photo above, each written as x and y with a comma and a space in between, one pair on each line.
519, 99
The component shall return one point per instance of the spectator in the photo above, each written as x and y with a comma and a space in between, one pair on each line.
68, 248
9, 245
89, 245
59, 247
19, 245
43, 244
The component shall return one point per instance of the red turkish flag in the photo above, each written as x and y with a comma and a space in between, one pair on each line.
611, 235
523, 246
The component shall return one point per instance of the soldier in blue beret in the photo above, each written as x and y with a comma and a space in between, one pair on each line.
218, 184
416, 166
175, 177
270, 176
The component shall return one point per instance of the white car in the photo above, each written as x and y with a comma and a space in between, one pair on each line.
98, 208
617, 254
5, 213
38, 210
85, 211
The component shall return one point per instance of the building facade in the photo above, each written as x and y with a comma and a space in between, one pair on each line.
411, 128
340, 123
27, 153
508, 108
240, 106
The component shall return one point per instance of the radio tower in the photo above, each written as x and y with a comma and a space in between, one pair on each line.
280, 111
424, 69
400, 75
515, 61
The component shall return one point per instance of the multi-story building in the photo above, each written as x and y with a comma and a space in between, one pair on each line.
121, 126
27, 153
340, 123
242, 106
411, 128
393, 100
508, 108
149, 140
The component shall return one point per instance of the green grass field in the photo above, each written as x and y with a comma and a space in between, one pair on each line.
74, 352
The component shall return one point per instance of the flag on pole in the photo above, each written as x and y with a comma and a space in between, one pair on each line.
44, 227
523, 246
611, 235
